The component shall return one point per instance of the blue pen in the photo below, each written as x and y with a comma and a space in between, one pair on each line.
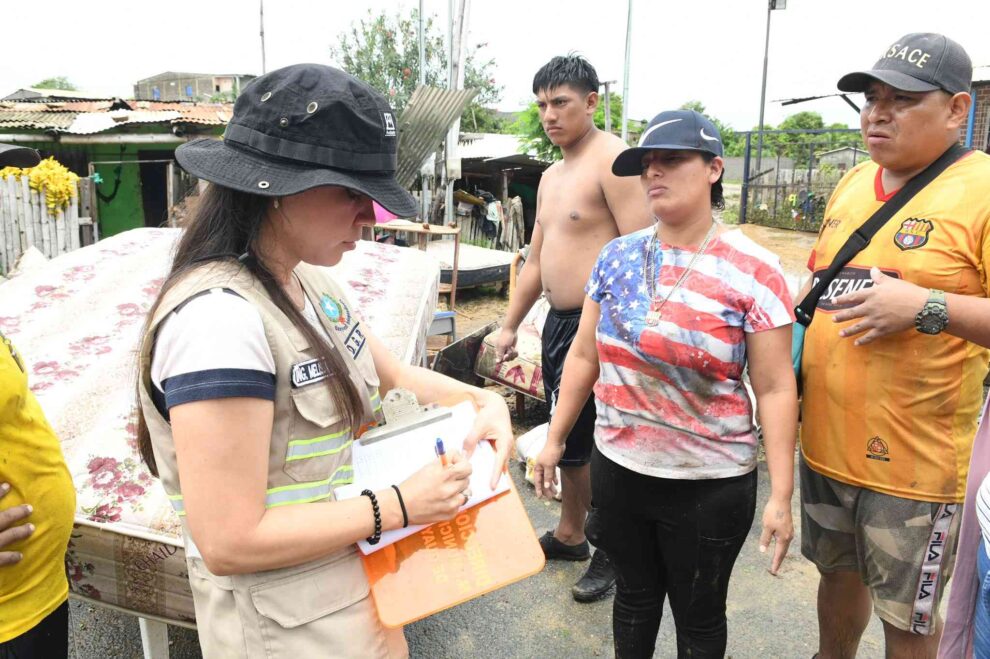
441, 452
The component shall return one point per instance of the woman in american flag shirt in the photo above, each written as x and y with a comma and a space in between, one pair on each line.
673, 316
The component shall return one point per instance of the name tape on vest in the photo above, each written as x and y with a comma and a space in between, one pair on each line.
308, 372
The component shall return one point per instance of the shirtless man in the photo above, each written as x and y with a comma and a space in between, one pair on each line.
580, 207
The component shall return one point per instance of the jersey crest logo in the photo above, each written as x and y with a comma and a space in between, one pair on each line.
336, 311
913, 233
877, 450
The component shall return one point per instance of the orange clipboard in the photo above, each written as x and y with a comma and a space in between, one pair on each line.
482, 549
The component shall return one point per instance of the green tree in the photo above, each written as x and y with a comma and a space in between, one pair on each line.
383, 50
60, 82
801, 146
530, 129
733, 143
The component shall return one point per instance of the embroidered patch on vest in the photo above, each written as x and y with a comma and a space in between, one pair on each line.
355, 341
336, 311
307, 372
913, 233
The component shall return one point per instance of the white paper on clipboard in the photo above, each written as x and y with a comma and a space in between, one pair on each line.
390, 461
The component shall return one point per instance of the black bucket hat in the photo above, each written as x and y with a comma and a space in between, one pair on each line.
302, 127
12, 155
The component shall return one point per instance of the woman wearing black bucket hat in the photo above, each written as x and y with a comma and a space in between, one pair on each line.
256, 375
673, 315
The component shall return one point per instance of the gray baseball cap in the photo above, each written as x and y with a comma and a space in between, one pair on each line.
12, 155
917, 62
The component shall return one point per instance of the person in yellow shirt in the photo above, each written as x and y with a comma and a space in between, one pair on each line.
37, 504
893, 362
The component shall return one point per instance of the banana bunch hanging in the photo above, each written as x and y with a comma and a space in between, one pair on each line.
50, 177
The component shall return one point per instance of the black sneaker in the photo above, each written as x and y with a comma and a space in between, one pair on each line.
597, 582
554, 549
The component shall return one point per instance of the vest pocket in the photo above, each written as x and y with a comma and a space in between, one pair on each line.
319, 441
323, 611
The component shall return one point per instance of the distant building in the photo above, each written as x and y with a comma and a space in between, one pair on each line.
980, 132
172, 86
843, 158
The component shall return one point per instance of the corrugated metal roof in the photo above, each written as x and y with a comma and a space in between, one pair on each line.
40, 120
425, 120
88, 118
488, 145
41, 93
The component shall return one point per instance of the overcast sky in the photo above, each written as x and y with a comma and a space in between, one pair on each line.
709, 50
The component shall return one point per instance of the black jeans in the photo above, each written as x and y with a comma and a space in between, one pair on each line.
49, 639
669, 538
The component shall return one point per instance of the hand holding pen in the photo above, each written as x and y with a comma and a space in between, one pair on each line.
437, 491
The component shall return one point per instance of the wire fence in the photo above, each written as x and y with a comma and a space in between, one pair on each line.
789, 186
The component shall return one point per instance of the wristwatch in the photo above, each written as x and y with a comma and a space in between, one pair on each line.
934, 316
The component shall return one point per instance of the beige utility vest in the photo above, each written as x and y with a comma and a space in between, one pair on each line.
321, 608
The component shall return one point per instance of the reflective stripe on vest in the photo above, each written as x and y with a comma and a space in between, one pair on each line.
300, 449
290, 494
376, 401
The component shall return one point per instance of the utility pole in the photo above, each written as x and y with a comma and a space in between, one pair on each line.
263, 70
608, 104
424, 199
771, 5
625, 76
455, 80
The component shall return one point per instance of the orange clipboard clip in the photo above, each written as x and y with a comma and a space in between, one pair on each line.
481, 550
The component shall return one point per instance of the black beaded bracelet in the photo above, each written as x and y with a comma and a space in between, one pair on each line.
373, 540
402, 504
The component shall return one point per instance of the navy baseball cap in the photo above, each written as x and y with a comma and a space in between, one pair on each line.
684, 130
917, 62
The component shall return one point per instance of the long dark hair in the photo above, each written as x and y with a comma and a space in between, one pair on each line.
225, 226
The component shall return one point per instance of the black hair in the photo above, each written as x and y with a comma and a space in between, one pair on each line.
571, 70
225, 226
718, 195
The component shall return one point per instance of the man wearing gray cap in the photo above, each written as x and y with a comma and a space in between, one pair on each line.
893, 364
37, 505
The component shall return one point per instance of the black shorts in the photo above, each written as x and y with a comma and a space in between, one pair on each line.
48, 639
558, 334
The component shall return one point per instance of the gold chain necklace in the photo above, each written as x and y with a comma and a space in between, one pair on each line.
649, 273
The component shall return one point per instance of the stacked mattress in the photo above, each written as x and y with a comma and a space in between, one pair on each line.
76, 320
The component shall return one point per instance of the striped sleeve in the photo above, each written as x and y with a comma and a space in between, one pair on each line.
771, 305
213, 347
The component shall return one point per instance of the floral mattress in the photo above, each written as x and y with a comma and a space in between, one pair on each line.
76, 320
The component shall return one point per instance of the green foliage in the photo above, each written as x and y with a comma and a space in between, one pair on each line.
530, 129
800, 147
60, 82
383, 51
733, 143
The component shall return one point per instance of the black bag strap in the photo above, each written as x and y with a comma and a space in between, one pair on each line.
862, 236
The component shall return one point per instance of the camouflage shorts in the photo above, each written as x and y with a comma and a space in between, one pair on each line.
903, 549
